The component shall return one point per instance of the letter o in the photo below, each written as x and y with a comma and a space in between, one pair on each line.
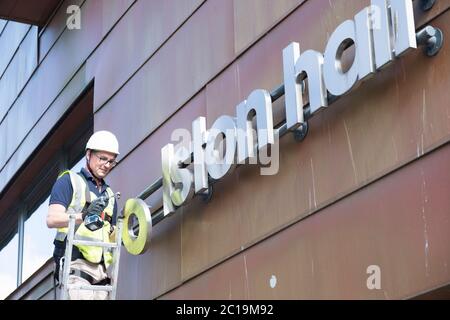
336, 81
137, 244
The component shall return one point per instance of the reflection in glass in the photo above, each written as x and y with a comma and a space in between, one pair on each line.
8, 267
38, 241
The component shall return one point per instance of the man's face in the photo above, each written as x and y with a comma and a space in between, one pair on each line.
101, 162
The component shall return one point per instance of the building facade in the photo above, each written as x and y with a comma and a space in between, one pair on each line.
359, 209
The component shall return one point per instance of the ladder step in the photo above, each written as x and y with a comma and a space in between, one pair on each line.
95, 243
89, 287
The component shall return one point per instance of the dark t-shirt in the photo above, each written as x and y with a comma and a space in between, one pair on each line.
62, 191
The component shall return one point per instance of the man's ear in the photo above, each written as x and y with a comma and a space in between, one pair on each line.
88, 155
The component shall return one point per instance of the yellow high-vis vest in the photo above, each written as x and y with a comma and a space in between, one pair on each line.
90, 253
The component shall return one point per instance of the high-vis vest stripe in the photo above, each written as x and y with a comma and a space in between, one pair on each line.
90, 253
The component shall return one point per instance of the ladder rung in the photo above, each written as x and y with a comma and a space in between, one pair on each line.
95, 243
89, 287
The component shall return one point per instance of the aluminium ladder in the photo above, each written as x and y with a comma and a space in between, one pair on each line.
111, 288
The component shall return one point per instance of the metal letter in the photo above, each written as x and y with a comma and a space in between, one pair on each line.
259, 101
381, 33
404, 30
166, 161
364, 43
336, 81
199, 138
181, 177
219, 166
140, 243
292, 88
310, 65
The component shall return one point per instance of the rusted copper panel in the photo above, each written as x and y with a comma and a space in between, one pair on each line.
128, 282
135, 38
165, 260
367, 133
222, 95
399, 223
231, 284
254, 17
208, 232
30, 12
192, 56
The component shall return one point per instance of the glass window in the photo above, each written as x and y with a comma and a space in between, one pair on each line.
38, 241
8, 267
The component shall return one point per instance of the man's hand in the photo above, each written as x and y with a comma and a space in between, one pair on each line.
96, 207
112, 234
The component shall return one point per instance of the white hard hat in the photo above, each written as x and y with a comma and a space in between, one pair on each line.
103, 141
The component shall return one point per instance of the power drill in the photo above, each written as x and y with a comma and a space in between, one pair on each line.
94, 221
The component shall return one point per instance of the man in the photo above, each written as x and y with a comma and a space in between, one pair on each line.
86, 194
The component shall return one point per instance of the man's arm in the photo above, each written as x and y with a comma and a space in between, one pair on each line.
60, 198
58, 218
